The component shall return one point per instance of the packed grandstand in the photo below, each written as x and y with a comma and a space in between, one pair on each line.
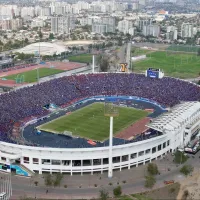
27, 102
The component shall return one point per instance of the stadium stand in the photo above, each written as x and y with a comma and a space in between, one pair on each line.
28, 102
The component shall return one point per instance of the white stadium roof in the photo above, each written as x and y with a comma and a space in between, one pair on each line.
45, 48
175, 117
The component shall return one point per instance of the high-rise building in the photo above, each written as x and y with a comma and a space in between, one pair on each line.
153, 30
187, 30
143, 22
172, 33
16, 24
62, 24
104, 23
100, 28
124, 26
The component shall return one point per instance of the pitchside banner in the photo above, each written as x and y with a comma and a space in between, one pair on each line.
153, 73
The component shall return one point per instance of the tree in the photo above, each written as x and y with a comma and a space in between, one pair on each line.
198, 52
117, 191
58, 179
103, 62
48, 180
186, 169
104, 195
51, 36
40, 34
26, 41
149, 181
152, 169
180, 157
120, 42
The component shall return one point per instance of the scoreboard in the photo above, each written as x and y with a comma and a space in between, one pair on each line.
154, 73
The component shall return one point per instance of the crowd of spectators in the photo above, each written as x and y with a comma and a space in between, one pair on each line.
29, 101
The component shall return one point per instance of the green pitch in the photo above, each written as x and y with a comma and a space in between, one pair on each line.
184, 48
90, 122
83, 58
179, 65
31, 76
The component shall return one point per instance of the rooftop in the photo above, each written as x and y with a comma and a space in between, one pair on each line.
175, 117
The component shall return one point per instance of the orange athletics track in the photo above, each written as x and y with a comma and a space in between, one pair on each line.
66, 66
134, 129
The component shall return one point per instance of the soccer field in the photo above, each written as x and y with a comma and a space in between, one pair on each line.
179, 65
83, 58
90, 122
31, 76
184, 48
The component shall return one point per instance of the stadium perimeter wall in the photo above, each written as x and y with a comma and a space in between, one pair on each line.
41, 160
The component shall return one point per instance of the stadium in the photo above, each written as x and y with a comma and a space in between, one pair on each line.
59, 125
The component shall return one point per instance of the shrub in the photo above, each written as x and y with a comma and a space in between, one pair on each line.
149, 181
103, 194
123, 181
58, 178
180, 157
186, 169
48, 180
152, 168
117, 191
36, 183
185, 195
65, 186
172, 190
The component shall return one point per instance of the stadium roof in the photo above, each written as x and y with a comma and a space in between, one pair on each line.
174, 118
45, 48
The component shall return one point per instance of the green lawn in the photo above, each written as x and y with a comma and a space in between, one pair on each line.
173, 64
83, 58
31, 76
138, 51
184, 48
90, 122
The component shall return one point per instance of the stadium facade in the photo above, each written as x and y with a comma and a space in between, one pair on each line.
176, 128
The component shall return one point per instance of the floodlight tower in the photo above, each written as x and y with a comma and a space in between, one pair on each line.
110, 110
93, 61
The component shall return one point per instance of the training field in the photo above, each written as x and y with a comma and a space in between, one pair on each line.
179, 65
83, 58
31, 76
90, 122
184, 48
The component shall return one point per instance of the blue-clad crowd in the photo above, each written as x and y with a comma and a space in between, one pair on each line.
29, 101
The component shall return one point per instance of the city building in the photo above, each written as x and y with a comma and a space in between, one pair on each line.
187, 30
16, 24
37, 23
143, 22
105, 24
124, 26
62, 24
172, 33
153, 30
100, 28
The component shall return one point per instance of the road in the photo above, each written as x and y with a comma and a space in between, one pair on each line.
134, 182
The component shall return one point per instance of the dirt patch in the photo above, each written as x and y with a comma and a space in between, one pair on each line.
168, 192
190, 185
